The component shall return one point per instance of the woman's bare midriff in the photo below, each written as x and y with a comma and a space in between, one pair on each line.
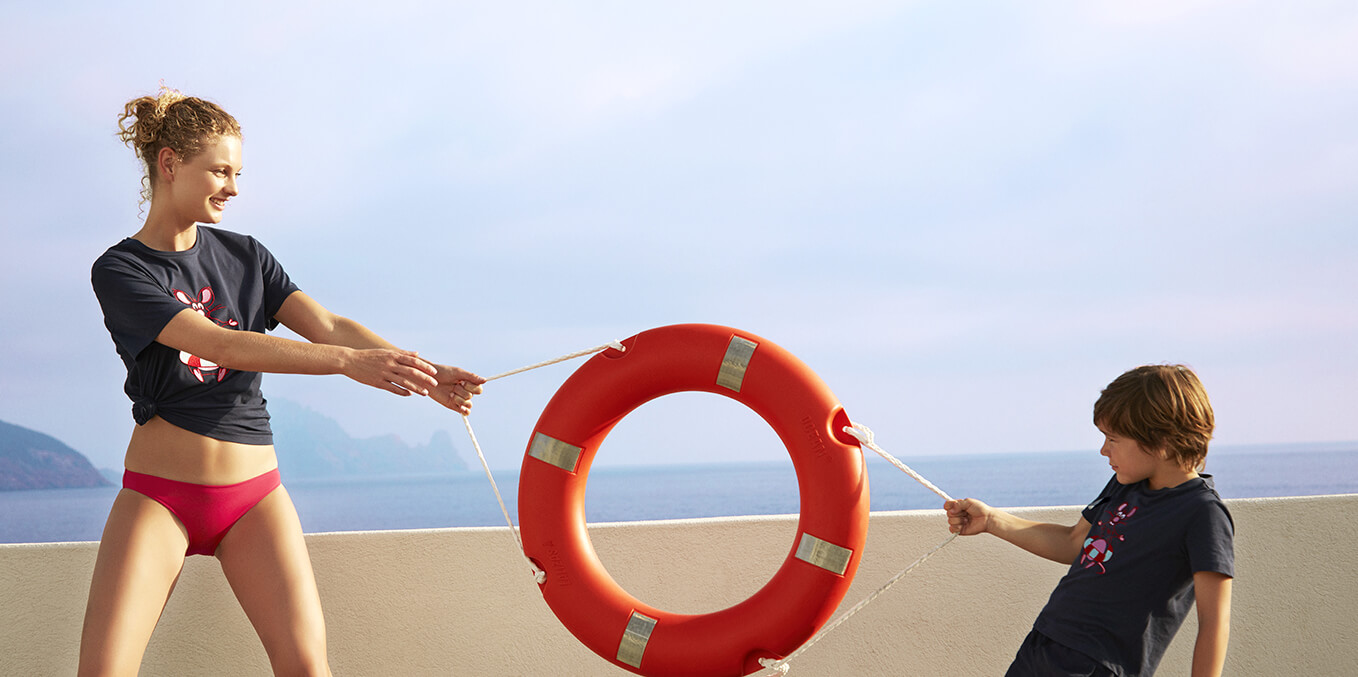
165, 450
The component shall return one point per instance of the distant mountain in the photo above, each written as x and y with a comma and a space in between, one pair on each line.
31, 460
310, 444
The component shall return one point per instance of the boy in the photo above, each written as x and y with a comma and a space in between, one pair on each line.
1157, 534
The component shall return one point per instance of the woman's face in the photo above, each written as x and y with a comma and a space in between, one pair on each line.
202, 185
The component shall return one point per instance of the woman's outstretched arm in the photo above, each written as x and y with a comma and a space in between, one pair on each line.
396, 371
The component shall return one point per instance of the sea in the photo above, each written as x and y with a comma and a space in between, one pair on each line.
625, 494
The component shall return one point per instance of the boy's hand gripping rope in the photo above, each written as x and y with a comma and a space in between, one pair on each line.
538, 574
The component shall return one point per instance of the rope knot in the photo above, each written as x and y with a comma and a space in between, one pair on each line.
862, 433
780, 667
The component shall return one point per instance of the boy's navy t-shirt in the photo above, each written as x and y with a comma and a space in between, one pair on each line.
1127, 594
229, 278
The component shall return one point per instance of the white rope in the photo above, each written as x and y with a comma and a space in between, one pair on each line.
538, 574
781, 666
865, 436
579, 353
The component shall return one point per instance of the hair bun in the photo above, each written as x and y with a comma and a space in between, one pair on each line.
167, 97
143, 117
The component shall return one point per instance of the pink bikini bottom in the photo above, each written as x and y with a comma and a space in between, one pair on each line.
206, 511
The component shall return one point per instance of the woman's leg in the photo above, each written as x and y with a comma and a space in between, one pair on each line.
140, 557
265, 560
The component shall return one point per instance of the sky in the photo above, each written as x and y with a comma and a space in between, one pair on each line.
967, 219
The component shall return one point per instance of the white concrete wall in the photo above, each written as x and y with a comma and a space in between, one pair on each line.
459, 602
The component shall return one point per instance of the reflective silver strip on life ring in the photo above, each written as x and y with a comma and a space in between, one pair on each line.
736, 361
554, 451
634, 639
823, 554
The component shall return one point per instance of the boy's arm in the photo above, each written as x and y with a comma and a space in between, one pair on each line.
1213, 592
1052, 541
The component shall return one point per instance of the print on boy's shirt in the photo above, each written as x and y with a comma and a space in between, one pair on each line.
1098, 548
197, 365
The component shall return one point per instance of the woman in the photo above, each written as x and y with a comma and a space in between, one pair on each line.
187, 307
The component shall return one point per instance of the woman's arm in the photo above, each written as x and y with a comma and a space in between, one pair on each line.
1052, 541
1213, 592
454, 386
396, 371
317, 324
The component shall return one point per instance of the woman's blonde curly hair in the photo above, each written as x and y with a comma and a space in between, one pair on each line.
184, 124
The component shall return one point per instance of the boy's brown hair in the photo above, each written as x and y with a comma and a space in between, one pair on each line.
1164, 408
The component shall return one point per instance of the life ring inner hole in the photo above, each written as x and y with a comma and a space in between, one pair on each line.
732, 464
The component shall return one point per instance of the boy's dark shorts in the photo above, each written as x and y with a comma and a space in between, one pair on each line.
1039, 656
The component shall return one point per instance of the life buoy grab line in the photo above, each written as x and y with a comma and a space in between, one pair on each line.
832, 480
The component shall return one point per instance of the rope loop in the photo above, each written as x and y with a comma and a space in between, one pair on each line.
863, 433
539, 575
860, 432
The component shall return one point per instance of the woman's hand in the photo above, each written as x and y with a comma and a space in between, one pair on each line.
400, 372
455, 389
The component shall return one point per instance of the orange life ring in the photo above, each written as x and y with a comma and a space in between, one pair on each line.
832, 481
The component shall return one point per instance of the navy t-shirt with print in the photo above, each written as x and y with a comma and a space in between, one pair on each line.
1132, 586
229, 278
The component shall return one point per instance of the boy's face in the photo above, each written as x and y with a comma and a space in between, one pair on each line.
1129, 459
